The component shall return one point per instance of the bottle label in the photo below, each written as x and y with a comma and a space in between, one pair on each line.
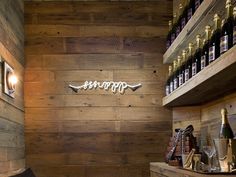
224, 44
211, 54
197, 4
175, 83
177, 30
167, 90
167, 44
183, 22
234, 35
190, 13
171, 86
186, 75
172, 37
203, 62
194, 68
181, 79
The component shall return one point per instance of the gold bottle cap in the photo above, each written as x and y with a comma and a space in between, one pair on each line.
228, 3
224, 111
234, 11
190, 45
216, 17
170, 68
174, 14
208, 27
170, 23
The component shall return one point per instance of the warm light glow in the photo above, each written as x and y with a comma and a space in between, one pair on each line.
12, 79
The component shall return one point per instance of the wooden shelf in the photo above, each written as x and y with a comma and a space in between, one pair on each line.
196, 25
162, 169
217, 79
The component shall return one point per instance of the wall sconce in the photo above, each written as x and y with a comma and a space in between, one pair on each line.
9, 79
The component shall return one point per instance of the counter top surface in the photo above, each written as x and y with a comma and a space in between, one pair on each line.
171, 171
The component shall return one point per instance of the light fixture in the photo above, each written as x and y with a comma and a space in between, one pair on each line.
10, 80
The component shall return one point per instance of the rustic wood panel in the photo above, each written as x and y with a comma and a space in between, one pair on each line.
95, 133
12, 145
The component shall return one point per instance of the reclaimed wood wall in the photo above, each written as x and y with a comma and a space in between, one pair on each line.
12, 152
95, 133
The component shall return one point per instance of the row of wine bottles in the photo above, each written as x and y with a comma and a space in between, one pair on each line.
215, 43
185, 13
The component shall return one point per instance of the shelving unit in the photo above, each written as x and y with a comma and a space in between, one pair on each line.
195, 25
215, 80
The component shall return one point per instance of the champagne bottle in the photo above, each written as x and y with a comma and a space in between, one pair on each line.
176, 74
205, 49
184, 18
196, 60
178, 26
225, 129
188, 63
168, 81
179, 71
197, 4
226, 40
168, 38
173, 34
214, 44
184, 60
191, 9
234, 29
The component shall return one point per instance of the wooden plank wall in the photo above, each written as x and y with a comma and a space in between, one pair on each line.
95, 133
12, 152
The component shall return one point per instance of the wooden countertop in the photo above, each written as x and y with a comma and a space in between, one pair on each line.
171, 171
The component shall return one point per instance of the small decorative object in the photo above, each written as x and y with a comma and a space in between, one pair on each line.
187, 159
180, 146
196, 162
114, 86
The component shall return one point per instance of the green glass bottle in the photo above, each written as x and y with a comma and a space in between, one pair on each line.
225, 129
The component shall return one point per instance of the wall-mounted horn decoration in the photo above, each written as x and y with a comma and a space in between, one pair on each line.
113, 86
9, 79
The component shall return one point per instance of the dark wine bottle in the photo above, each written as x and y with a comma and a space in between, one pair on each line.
226, 40
191, 9
183, 17
179, 71
168, 81
188, 63
196, 60
168, 38
205, 49
175, 74
178, 26
197, 3
173, 33
184, 60
234, 29
225, 129
214, 44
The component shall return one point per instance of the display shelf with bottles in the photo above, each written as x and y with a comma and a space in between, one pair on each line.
217, 79
194, 26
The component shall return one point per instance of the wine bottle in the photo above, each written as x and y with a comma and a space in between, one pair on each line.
176, 74
173, 33
226, 40
188, 63
214, 44
168, 38
234, 29
178, 26
184, 18
225, 129
196, 60
184, 60
191, 9
197, 4
168, 81
179, 71
205, 49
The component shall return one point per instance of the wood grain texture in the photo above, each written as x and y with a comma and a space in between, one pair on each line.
95, 133
12, 145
